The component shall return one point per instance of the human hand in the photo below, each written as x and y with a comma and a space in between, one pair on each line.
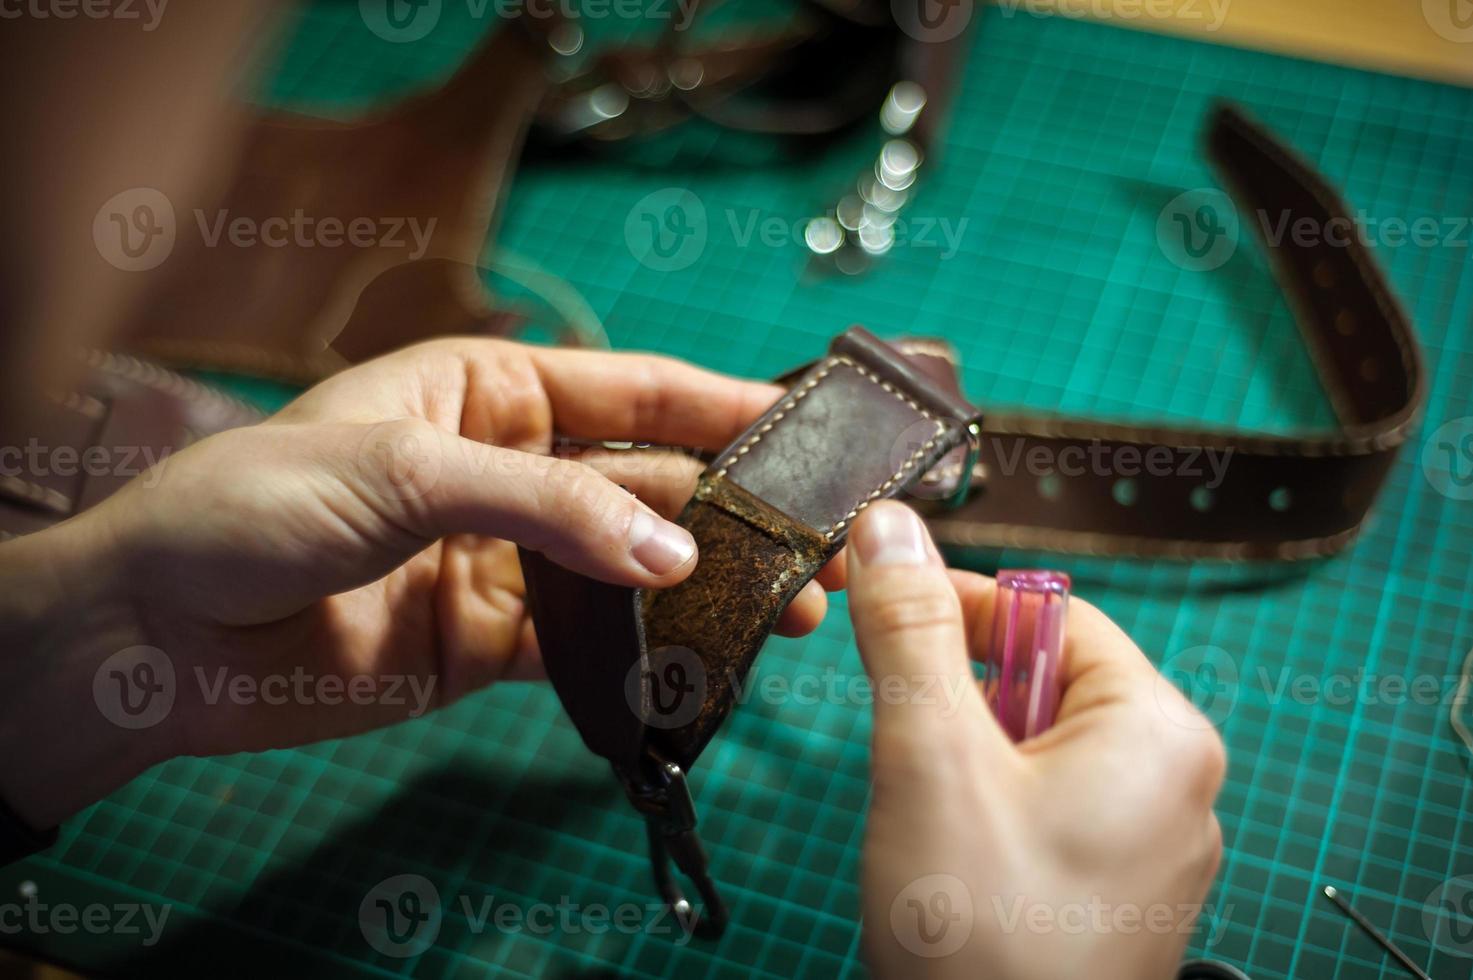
365, 535
980, 855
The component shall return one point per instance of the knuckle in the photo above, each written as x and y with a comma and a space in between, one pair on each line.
649, 404
579, 497
403, 457
1201, 756
909, 604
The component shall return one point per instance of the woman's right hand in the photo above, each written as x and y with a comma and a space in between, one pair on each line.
1085, 852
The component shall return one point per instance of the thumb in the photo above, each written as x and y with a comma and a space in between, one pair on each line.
436, 483
912, 637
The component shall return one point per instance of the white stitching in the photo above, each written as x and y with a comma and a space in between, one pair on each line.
823, 370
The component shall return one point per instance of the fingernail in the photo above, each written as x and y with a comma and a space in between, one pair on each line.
658, 545
892, 534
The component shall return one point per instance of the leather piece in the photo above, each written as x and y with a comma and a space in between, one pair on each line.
595, 653
749, 561
770, 510
123, 414
441, 159
1280, 497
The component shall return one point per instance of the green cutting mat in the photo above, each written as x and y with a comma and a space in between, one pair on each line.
1068, 139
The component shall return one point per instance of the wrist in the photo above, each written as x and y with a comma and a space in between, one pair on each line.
64, 611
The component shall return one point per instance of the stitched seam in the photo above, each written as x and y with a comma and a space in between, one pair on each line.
964, 534
826, 368
53, 500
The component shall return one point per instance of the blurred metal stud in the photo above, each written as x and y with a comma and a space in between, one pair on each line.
902, 107
823, 235
566, 39
686, 73
850, 212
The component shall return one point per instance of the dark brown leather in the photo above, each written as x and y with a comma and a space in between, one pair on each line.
1281, 497
441, 160
77, 448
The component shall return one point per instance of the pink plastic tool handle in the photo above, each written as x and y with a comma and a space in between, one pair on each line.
1024, 671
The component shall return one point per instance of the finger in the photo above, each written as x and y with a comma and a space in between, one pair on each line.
644, 398
909, 625
804, 613
1103, 666
664, 479
977, 594
834, 576
434, 484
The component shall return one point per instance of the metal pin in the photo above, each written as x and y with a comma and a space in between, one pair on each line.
1334, 895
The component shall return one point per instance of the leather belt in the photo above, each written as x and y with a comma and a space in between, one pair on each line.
870, 421
1280, 497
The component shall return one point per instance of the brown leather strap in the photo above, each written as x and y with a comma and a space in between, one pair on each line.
860, 425
1279, 497
401, 204
660, 675
76, 448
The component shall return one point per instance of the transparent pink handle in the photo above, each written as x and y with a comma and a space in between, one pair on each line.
1023, 676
